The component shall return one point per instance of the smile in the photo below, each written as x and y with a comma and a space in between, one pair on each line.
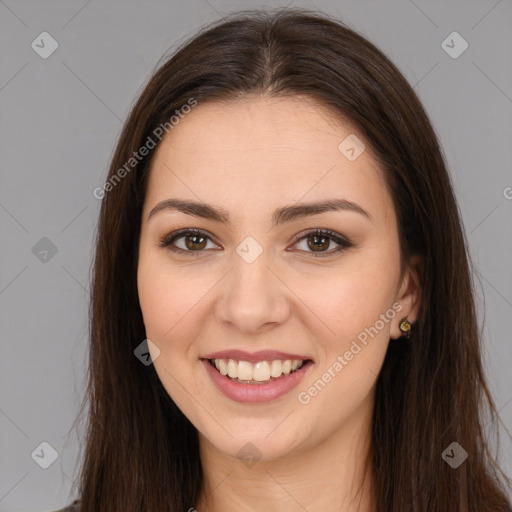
257, 382
260, 372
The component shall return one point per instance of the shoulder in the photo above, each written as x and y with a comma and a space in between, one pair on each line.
73, 507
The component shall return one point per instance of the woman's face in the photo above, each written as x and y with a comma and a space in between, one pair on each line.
258, 278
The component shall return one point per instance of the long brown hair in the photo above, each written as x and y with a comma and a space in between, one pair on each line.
141, 453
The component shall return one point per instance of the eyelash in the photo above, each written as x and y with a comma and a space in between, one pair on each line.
343, 243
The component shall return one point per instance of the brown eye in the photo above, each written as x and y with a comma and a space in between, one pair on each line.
318, 241
194, 241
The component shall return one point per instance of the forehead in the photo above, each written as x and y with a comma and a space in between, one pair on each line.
276, 150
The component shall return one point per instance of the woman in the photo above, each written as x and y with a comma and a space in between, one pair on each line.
282, 310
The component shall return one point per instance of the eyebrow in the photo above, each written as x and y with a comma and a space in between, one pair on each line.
280, 216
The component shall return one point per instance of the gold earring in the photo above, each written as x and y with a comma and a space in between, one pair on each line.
405, 328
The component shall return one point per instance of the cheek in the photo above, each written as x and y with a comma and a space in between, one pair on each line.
356, 305
349, 301
165, 298
353, 349
174, 305
169, 305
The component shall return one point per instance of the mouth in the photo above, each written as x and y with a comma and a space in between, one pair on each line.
256, 373
258, 381
256, 377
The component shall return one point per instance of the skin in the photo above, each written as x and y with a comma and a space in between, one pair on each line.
251, 156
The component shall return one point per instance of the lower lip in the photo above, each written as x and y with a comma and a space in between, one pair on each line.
256, 393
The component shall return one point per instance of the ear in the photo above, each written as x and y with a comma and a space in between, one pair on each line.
409, 295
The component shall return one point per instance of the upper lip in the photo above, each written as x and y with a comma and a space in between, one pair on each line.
254, 357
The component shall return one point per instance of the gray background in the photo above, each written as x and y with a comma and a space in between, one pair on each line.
60, 120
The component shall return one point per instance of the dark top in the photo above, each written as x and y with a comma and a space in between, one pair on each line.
70, 508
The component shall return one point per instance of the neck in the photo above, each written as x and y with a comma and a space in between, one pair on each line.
330, 475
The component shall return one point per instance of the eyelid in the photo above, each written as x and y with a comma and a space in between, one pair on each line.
337, 237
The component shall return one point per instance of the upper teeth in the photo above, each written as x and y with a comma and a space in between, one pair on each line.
260, 371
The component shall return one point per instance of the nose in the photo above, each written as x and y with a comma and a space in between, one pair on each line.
253, 296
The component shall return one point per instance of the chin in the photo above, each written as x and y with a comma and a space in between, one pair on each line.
255, 439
